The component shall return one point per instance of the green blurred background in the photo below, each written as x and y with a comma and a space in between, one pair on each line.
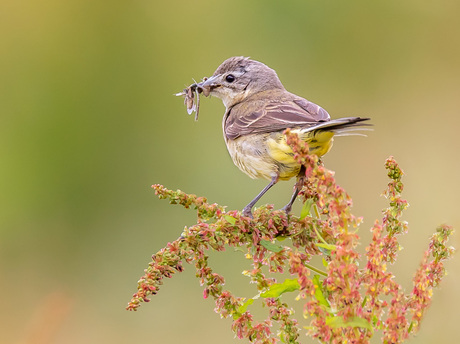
88, 122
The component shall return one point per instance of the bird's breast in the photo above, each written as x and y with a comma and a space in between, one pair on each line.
263, 156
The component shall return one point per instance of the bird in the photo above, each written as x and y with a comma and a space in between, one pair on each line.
258, 110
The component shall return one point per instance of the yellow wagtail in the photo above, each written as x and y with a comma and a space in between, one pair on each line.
258, 110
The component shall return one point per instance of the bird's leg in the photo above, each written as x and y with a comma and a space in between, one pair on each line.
247, 209
298, 186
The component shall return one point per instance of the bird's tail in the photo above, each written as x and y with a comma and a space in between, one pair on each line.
320, 136
345, 126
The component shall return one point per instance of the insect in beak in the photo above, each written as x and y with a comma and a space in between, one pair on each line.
191, 95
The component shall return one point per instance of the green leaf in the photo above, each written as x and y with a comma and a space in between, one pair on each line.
306, 208
243, 308
410, 327
364, 302
277, 289
326, 246
319, 292
281, 335
375, 320
325, 263
336, 322
271, 246
230, 219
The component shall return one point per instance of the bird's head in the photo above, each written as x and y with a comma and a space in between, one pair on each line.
238, 78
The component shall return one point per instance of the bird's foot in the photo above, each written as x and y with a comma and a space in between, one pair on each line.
247, 212
287, 209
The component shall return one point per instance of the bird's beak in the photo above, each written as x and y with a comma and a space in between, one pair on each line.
208, 85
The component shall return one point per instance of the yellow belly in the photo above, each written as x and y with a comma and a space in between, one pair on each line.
267, 155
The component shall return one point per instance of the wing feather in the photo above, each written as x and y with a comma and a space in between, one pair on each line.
265, 117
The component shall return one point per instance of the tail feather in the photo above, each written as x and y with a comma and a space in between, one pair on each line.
340, 124
352, 131
350, 134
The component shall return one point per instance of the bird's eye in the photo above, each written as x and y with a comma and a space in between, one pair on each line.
230, 78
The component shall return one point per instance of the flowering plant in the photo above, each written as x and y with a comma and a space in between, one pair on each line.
344, 303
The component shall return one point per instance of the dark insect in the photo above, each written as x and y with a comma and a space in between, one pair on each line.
191, 96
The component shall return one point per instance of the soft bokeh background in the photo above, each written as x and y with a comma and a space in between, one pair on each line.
88, 122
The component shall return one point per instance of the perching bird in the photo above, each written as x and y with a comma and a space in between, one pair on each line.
258, 110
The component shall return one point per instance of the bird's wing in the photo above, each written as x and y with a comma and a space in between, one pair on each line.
264, 117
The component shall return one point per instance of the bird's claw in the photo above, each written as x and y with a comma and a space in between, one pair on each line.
247, 212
